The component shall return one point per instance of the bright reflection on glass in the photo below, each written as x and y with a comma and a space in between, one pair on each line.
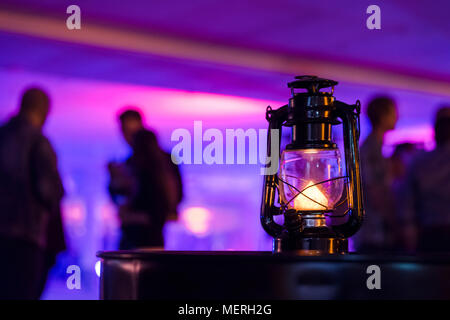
98, 268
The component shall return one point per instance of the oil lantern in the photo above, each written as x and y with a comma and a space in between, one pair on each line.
316, 191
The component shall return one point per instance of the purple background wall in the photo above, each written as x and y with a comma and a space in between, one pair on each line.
89, 84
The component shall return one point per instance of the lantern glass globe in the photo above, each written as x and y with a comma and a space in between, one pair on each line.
310, 179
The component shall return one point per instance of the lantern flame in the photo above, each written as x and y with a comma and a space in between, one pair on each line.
303, 200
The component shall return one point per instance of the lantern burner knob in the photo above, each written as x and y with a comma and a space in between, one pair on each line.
311, 83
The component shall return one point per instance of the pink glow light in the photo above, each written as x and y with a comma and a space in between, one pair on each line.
85, 110
197, 220
422, 135
74, 212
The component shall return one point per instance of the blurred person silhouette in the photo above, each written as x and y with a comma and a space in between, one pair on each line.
31, 232
376, 234
147, 187
400, 161
425, 205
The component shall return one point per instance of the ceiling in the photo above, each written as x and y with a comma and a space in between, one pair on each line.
414, 42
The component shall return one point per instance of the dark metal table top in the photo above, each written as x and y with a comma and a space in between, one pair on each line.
168, 255
157, 274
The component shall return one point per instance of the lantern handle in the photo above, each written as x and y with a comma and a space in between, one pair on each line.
276, 118
349, 114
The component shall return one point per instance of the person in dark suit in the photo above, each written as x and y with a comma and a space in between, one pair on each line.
425, 211
377, 232
146, 188
31, 233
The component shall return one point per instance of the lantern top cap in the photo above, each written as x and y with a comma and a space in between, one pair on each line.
311, 83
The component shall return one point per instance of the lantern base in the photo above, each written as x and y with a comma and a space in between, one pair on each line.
310, 246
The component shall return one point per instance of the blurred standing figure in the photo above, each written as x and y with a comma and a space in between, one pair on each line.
146, 188
31, 232
376, 234
401, 160
426, 198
